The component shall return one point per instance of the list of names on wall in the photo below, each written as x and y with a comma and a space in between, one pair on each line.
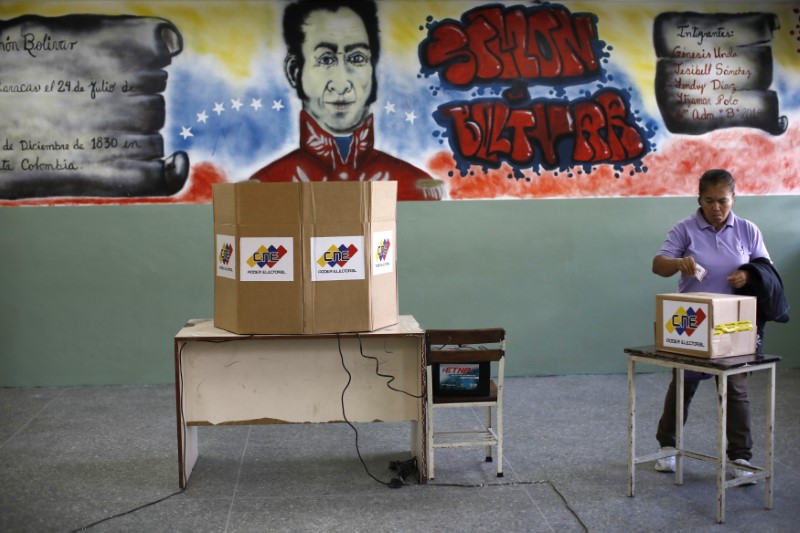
714, 71
80, 97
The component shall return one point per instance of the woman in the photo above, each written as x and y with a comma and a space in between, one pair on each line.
719, 242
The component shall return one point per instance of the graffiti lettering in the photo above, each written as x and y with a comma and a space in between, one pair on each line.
37, 164
46, 44
729, 53
714, 71
8, 45
684, 53
20, 88
497, 43
491, 131
695, 32
722, 70
691, 69
688, 99
692, 85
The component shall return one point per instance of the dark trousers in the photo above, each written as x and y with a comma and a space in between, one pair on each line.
738, 431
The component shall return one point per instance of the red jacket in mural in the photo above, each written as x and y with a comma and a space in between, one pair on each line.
318, 159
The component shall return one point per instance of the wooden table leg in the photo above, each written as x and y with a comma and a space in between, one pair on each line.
187, 435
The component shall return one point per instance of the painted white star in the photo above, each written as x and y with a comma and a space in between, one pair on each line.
255, 103
411, 117
236, 104
277, 105
186, 132
202, 117
218, 108
389, 107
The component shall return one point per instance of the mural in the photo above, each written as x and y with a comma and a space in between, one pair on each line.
528, 47
332, 51
153, 102
715, 71
82, 108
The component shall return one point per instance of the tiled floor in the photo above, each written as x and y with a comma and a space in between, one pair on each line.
70, 457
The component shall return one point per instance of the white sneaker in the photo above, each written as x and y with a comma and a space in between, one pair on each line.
739, 472
667, 464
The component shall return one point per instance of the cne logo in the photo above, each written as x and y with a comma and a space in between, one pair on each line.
685, 321
226, 253
334, 256
266, 256
383, 249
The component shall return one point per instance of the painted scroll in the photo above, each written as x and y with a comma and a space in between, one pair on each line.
714, 71
81, 107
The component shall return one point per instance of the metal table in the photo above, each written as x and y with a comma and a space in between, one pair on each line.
721, 367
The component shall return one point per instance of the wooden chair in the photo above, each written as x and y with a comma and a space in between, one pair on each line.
445, 350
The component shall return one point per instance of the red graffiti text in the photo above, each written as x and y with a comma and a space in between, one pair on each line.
497, 43
491, 131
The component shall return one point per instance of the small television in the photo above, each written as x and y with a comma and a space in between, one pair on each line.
460, 379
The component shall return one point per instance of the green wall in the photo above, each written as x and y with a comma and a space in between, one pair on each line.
94, 295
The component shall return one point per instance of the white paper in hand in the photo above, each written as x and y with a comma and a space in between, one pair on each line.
699, 272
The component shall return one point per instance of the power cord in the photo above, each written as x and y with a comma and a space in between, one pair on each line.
127, 512
403, 468
183, 419
536, 482
377, 370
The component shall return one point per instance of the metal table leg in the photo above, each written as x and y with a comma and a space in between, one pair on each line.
770, 444
722, 424
680, 385
631, 425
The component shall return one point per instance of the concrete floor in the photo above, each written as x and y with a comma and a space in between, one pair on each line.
70, 457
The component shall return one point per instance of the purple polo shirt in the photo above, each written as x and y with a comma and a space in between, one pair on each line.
720, 252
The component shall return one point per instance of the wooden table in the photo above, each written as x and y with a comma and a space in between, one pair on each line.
722, 368
225, 378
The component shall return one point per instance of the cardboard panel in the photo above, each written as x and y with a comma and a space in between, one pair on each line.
336, 202
298, 257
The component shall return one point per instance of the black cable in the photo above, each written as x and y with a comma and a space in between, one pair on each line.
378, 373
569, 507
344, 414
480, 485
127, 512
394, 483
183, 440
538, 482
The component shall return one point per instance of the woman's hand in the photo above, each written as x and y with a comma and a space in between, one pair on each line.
686, 266
738, 279
667, 266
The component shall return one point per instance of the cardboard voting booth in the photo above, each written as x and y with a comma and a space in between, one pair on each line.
305, 257
706, 324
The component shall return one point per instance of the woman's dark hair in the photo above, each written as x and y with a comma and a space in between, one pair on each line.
715, 177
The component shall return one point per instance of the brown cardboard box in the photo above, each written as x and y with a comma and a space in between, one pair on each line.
305, 257
706, 324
